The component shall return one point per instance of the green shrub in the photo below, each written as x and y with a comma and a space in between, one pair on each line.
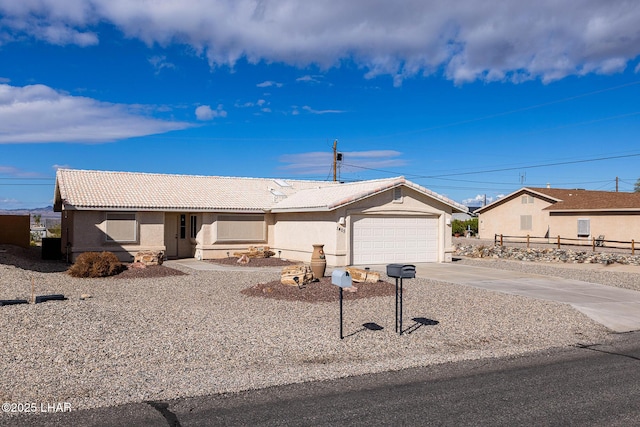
457, 227
461, 227
96, 264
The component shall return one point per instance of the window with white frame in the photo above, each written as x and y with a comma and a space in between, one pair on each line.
526, 222
584, 227
241, 228
121, 227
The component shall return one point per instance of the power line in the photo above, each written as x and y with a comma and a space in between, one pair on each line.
511, 168
517, 110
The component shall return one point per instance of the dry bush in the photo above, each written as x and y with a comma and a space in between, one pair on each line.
96, 264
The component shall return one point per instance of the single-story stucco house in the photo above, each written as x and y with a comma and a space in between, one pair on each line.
570, 213
367, 222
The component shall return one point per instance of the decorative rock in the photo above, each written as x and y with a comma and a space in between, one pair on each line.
256, 252
546, 255
243, 260
149, 257
303, 274
85, 296
358, 275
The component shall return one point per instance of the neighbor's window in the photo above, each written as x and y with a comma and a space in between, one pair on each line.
526, 199
194, 226
584, 227
525, 222
246, 228
122, 227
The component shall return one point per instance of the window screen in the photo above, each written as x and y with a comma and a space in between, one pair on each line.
247, 228
584, 228
397, 195
525, 222
122, 227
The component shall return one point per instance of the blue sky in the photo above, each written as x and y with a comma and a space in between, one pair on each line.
470, 99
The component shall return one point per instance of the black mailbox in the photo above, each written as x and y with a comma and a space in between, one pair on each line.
403, 271
400, 271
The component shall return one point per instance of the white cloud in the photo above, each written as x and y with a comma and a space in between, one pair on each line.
204, 112
314, 163
269, 83
160, 62
309, 79
40, 114
480, 198
320, 112
469, 40
4, 80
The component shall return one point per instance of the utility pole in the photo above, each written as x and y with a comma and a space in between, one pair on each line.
617, 179
335, 160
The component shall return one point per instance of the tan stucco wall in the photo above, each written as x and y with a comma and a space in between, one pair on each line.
87, 233
208, 247
505, 219
614, 226
296, 233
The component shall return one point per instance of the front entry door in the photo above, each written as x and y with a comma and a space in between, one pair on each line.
176, 236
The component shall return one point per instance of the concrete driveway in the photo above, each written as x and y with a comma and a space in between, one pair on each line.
617, 309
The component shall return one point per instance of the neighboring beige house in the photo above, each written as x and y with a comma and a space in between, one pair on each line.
368, 222
571, 214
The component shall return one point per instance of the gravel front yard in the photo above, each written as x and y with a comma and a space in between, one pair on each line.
159, 338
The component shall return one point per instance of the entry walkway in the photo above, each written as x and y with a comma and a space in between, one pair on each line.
617, 309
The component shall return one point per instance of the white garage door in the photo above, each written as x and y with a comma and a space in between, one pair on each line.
384, 240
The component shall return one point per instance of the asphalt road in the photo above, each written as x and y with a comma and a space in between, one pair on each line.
595, 385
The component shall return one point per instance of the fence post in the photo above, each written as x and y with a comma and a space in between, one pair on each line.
593, 243
633, 247
495, 239
527, 241
501, 241
558, 241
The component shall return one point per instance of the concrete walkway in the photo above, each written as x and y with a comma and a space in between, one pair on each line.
617, 309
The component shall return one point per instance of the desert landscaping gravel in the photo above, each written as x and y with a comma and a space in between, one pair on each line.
159, 338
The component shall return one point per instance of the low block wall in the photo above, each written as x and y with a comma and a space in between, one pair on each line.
14, 230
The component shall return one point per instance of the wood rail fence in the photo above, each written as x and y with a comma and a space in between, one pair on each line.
594, 242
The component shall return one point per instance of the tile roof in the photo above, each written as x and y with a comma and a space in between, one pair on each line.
82, 189
563, 199
330, 198
584, 200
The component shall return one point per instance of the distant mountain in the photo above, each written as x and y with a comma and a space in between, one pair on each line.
44, 213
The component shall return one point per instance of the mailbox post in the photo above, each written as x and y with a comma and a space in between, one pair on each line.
342, 279
400, 271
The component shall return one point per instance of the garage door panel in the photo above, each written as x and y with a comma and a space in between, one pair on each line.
390, 239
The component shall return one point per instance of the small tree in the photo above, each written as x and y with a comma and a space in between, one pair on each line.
636, 187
